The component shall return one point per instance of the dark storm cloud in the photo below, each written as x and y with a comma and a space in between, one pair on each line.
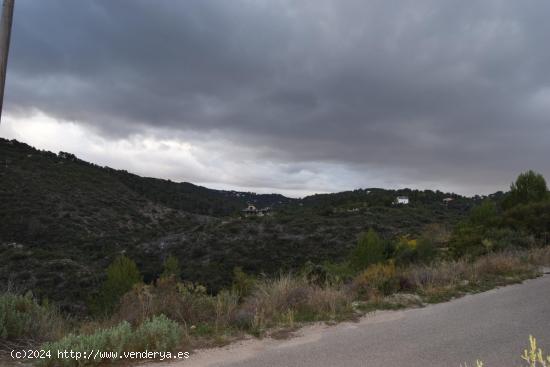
445, 91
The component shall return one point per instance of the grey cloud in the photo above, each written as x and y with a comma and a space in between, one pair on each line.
438, 90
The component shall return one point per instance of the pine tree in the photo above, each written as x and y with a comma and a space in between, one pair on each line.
122, 274
369, 250
171, 268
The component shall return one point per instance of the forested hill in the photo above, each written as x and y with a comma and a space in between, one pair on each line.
63, 220
19, 157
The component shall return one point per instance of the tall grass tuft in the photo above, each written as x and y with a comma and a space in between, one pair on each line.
287, 299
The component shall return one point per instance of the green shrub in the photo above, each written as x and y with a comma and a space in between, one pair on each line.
485, 215
369, 250
22, 317
426, 248
408, 251
321, 274
533, 218
467, 240
242, 282
500, 239
338, 272
171, 268
122, 274
468, 236
377, 279
157, 334
529, 187
118, 338
405, 251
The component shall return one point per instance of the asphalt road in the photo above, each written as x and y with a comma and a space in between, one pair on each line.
493, 326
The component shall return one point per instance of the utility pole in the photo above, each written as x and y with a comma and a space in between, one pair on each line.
5, 33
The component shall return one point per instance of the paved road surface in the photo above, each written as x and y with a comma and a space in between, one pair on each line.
493, 326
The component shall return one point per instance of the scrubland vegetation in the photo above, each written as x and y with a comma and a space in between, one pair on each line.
379, 257
63, 221
170, 314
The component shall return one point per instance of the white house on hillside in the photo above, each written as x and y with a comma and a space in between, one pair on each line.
252, 210
402, 200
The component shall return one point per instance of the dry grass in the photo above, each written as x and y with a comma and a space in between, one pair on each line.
539, 256
288, 299
329, 302
447, 279
441, 274
180, 302
502, 264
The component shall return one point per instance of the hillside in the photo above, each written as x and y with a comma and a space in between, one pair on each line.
62, 220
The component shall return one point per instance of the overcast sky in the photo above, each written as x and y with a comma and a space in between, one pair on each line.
288, 96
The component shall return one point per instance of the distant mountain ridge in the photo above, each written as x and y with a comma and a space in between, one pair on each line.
177, 195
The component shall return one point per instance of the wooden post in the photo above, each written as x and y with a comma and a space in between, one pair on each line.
5, 33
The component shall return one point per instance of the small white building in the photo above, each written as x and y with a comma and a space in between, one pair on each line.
402, 200
251, 210
446, 201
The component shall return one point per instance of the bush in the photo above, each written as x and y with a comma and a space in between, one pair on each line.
468, 236
405, 251
467, 240
118, 338
171, 268
242, 282
378, 279
22, 317
533, 218
339, 272
529, 187
501, 239
186, 303
156, 334
485, 215
369, 250
426, 250
122, 274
